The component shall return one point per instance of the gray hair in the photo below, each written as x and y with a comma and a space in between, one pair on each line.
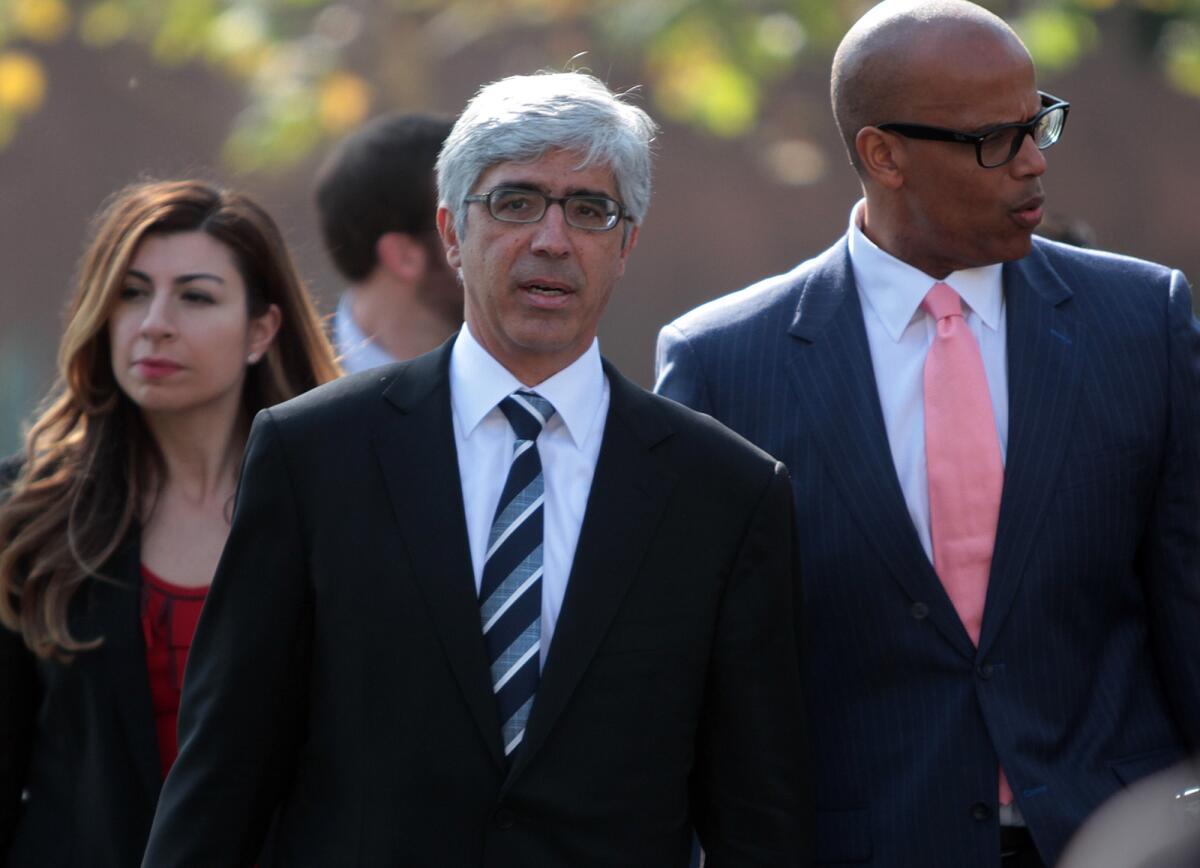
520, 118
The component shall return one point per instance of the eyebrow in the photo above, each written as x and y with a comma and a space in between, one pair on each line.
183, 278
991, 127
1002, 125
571, 191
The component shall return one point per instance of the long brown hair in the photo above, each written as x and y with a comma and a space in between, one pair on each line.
89, 458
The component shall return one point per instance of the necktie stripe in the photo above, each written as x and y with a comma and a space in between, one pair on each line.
514, 657
520, 685
536, 406
510, 555
511, 595
513, 730
518, 693
510, 589
511, 625
514, 514
524, 470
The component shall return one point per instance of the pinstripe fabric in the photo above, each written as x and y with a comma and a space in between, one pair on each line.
1087, 674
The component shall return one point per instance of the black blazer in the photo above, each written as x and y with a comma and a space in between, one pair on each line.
339, 671
78, 739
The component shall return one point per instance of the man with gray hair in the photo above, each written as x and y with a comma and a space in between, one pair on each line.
498, 606
995, 447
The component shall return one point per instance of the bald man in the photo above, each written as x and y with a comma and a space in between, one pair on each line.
995, 450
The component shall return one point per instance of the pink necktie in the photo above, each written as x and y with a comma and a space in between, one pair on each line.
962, 457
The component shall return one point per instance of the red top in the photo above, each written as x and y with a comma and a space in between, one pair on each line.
169, 616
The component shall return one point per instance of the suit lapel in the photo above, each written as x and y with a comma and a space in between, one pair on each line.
830, 364
629, 492
116, 612
1044, 374
419, 462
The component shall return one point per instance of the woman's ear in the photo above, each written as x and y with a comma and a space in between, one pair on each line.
261, 332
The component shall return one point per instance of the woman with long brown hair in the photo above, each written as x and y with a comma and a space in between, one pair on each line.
188, 318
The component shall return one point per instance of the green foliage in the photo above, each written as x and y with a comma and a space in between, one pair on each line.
1057, 38
712, 64
1181, 56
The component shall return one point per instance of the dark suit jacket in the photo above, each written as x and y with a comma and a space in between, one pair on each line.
79, 737
339, 670
1087, 675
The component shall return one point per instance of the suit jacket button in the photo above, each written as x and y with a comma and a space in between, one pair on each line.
981, 811
505, 818
984, 671
920, 611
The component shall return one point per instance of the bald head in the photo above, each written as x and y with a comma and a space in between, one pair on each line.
893, 57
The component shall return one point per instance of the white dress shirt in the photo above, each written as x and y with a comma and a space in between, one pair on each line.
568, 446
899, 334
356, 351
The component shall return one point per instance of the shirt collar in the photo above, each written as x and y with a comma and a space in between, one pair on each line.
478, 383
357, 351
346, 330
894, 289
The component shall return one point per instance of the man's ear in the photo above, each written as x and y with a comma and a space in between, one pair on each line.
881, 156
403, 256
627, 248
449, 235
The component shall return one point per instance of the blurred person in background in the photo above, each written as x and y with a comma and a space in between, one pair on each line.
1153, 824
376, 200
188, 319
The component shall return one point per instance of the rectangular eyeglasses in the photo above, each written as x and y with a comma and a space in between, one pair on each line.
998, 145
588, 211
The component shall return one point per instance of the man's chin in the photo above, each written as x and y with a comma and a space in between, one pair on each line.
1017, 246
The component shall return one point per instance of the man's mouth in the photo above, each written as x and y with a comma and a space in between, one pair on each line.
543, 289
1029, 213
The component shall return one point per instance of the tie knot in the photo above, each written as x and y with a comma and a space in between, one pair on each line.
942, 301
527, 413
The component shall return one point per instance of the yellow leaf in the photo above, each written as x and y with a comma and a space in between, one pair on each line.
237, 31
22, 82
343, 102
40, 20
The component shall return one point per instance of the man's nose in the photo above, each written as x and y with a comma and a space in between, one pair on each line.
1029, 161
551, 234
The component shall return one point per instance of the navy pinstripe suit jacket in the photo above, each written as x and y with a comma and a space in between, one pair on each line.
1087, 675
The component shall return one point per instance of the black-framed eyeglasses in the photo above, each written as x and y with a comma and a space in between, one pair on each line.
582, 210
996, 146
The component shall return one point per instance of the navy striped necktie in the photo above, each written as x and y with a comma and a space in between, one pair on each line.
510, 592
